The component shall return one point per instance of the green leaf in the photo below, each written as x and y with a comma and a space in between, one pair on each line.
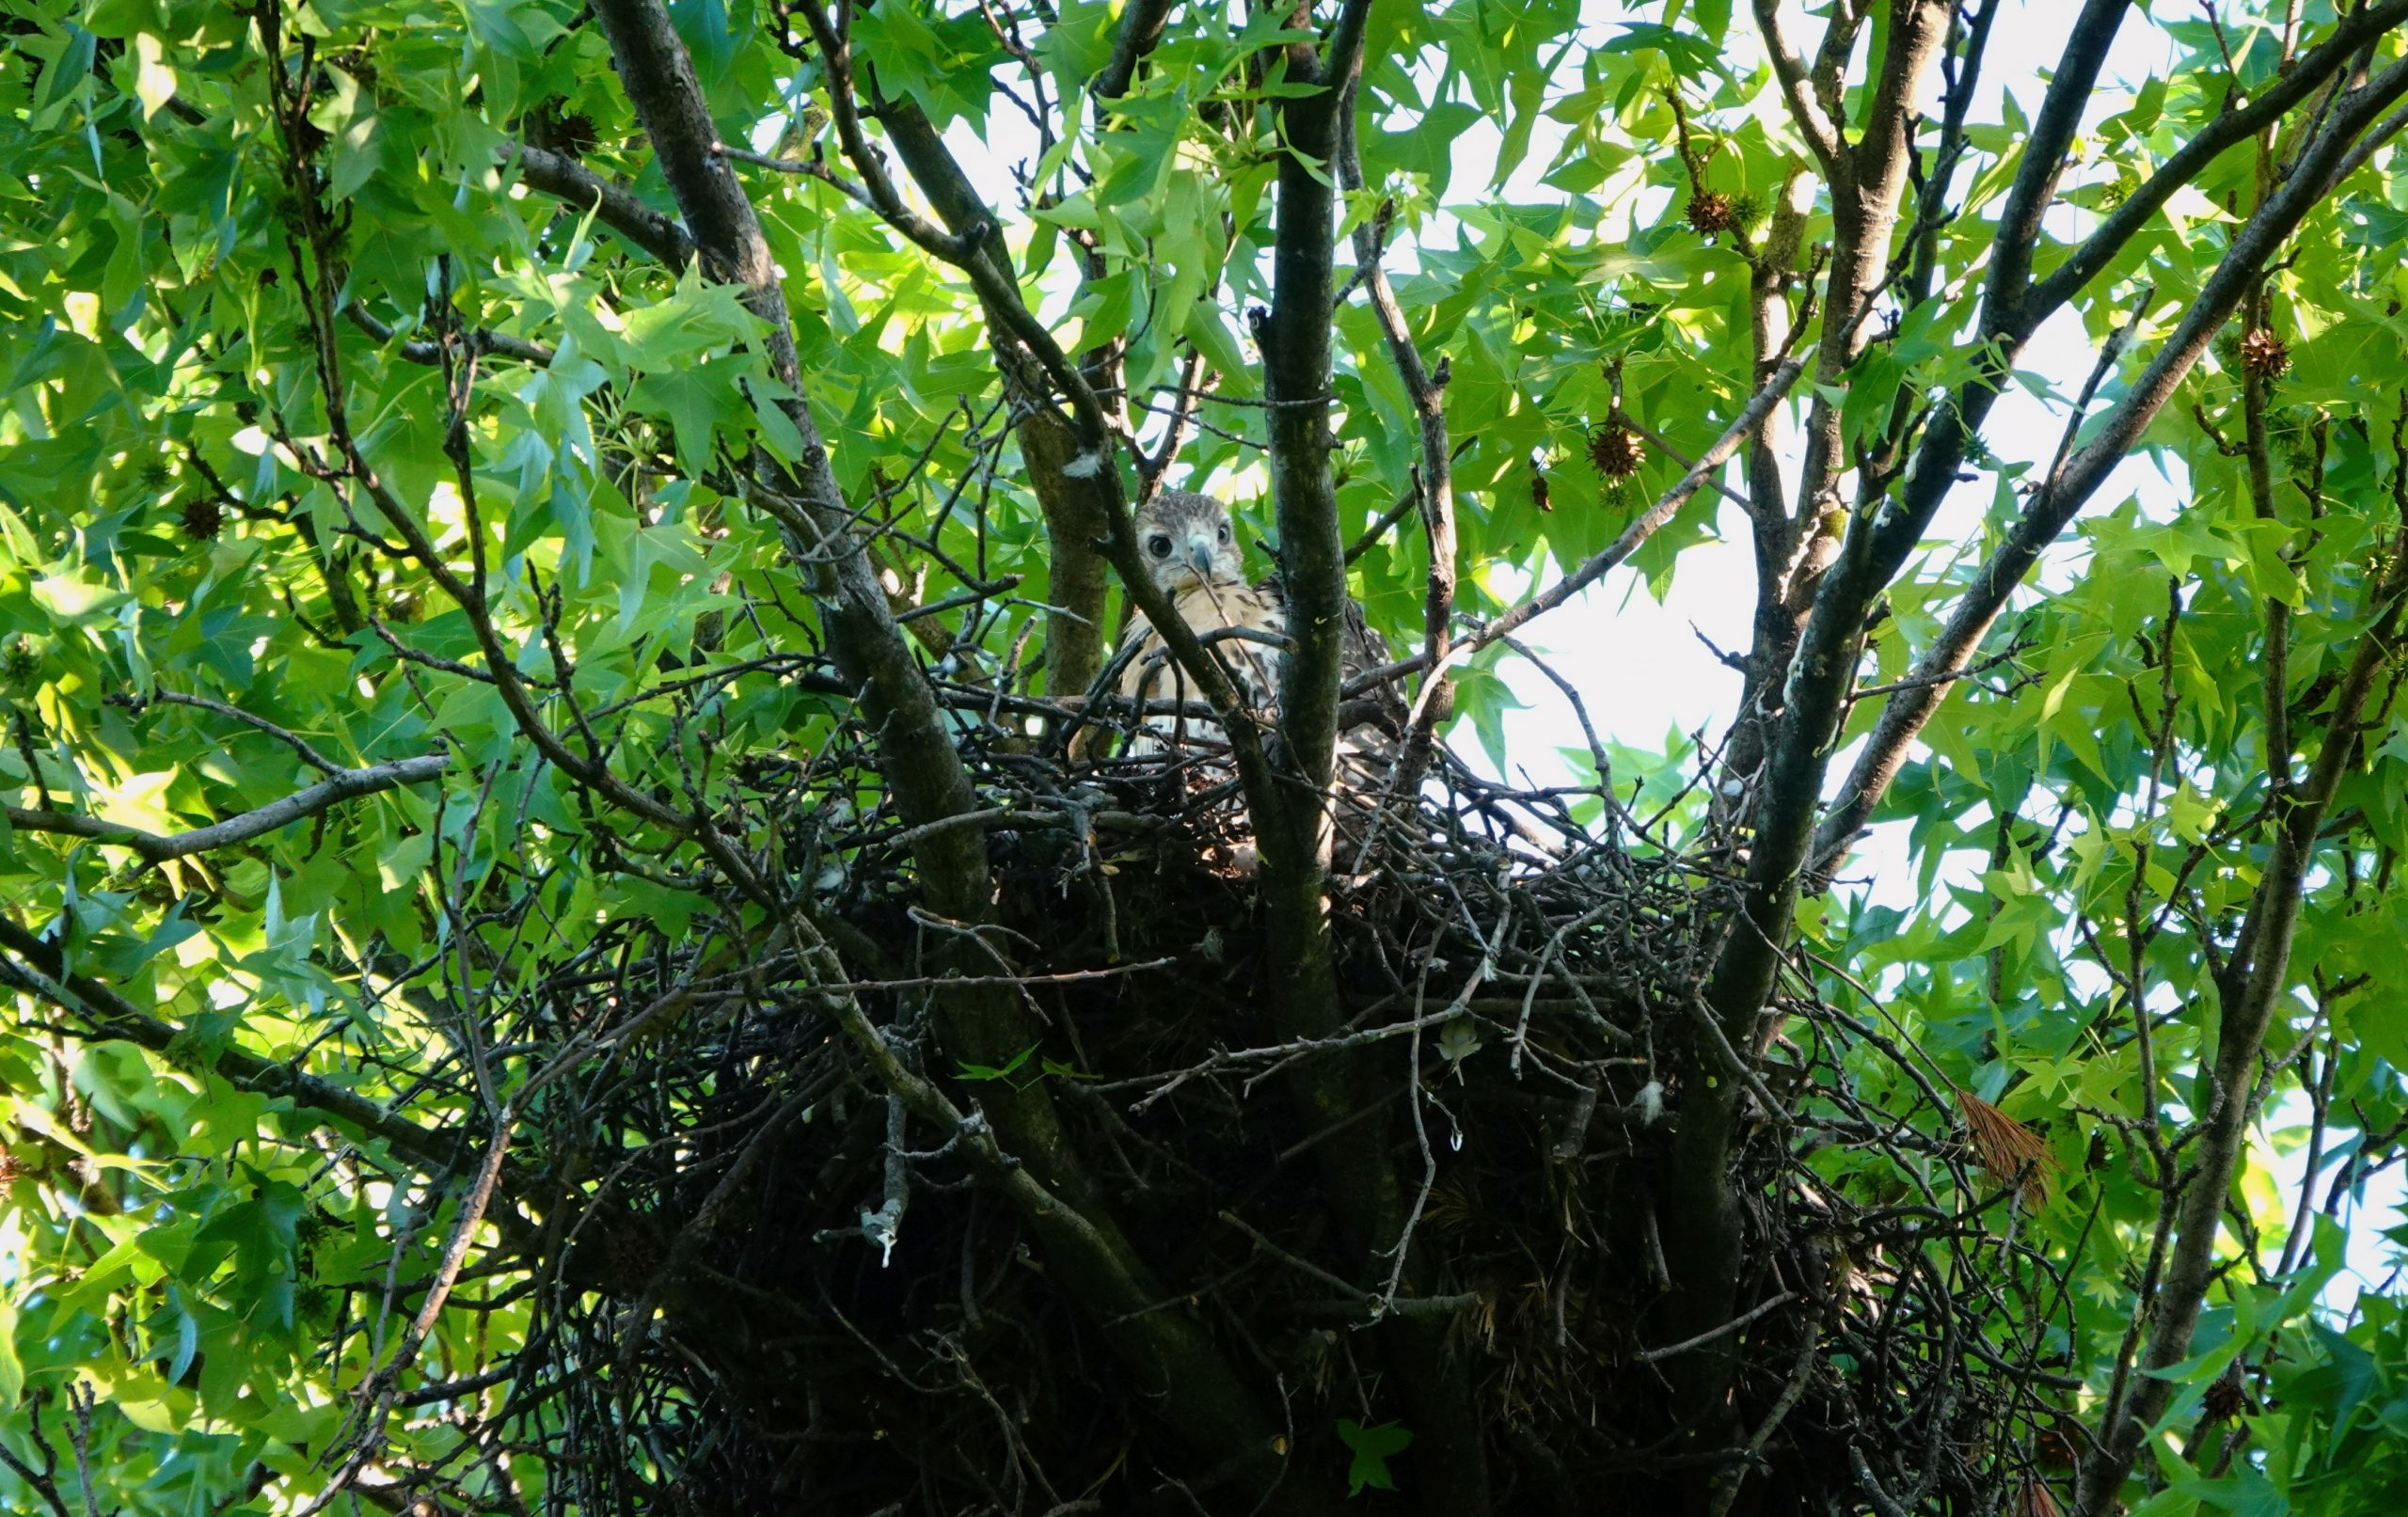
965, 1070
1372, 1447
154, 80
12, 1369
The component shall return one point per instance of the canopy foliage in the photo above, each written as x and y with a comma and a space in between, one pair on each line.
557, 959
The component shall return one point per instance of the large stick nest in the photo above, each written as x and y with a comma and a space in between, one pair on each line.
1521, 972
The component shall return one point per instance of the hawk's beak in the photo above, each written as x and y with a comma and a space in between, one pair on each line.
1199, 553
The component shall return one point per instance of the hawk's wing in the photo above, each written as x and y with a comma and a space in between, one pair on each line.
1367, 747
1365, 650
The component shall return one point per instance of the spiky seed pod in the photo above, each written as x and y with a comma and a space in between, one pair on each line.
2227, 350
203, 520
1615, 450
576, 133
2295, 437
1746, 208
2225, 1397
19, 662
153, 473
1709, 213
2265, 355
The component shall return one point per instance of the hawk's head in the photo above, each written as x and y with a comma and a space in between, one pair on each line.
1186, 540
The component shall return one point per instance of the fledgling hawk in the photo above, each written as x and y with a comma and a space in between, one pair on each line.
1189, 547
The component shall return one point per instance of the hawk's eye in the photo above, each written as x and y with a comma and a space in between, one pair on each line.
1225, 531
1158, 546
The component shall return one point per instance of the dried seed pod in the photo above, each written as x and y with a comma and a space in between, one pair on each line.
202, 519
1710, 213
1615, 450
2223, 1400
576, 133
1538, 494
2263, 354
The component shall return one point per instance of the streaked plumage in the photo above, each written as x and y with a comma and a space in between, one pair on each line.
1189, 545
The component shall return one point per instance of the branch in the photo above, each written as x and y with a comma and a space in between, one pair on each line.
566, 178
1433, 485
1790, 69
836, 59
2230, 1088
2044, 149
2371, 145
1358, 1176
1650, 1356
1294, 339
1141, 29
420, 350
344, 785
1865, 197
871, 650
1045, 1176
293, 740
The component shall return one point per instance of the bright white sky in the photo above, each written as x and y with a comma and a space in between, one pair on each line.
1641, 667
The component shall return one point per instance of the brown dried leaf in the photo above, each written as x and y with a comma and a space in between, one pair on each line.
2010, 1153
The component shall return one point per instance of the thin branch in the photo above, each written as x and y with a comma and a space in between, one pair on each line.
293, 740
420, 350
1433, 484
35, 968
1406, 504
1811, 122
1711, 1334
1775, 388
344, 785
566, 178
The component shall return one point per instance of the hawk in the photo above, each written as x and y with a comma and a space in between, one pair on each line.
1189, 546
